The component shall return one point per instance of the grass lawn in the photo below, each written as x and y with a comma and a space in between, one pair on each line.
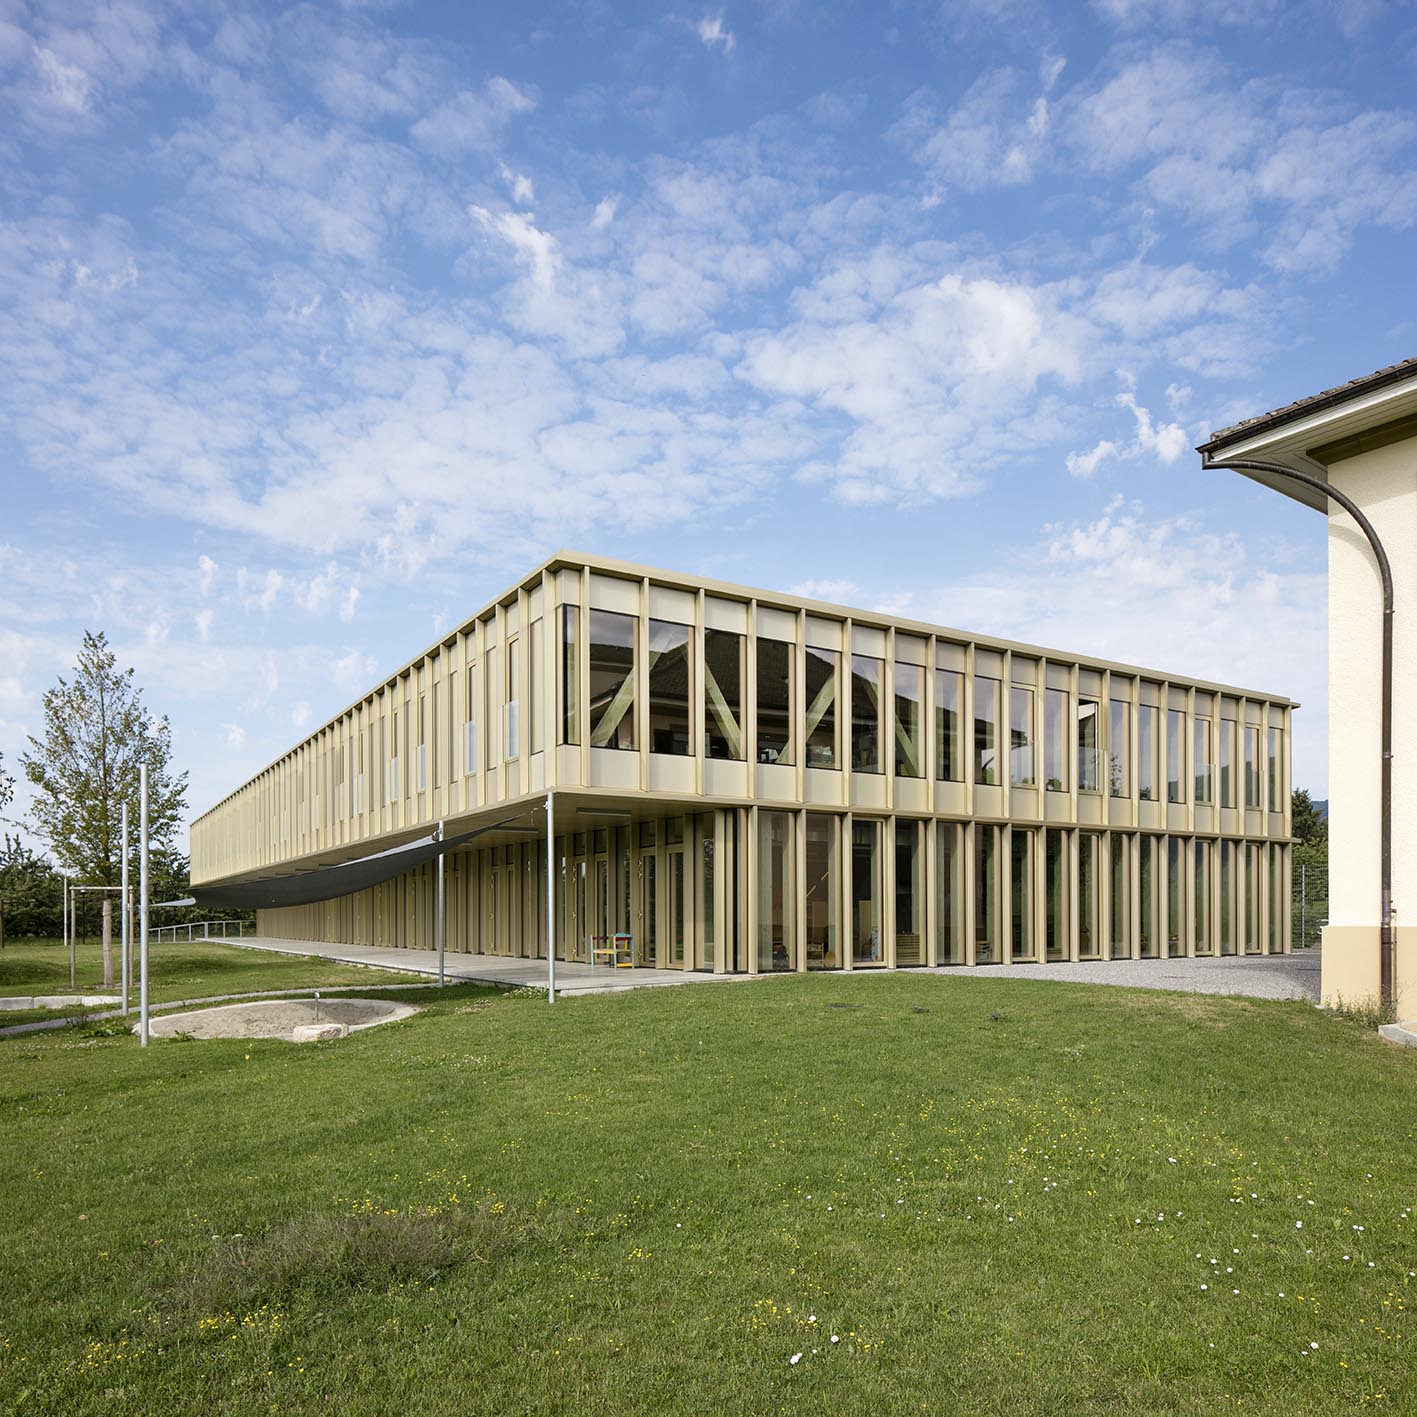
176, 970
944, 1194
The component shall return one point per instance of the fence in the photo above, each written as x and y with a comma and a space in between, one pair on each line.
1310, 904
170, 932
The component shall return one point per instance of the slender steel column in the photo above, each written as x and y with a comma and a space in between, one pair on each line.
1387, 942
143, 905
123, 907
440, 924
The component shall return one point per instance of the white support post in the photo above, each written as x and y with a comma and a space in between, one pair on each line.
143, 905
123, 907
440, 924
64, 907
550, 897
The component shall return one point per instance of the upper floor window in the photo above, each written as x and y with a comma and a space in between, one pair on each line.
1021, 770
1252, 766
1276, 795
865, 713
1201, 762
670, 688
986, 730
1227, 762
1119, 733
1147, 716
775, 659
1175, 753
908, 679
612, 680
949, 707
1089, 746
1055, 742
823, 666
723, 694
570, 674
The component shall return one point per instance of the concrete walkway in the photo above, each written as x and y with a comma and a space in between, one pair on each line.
1293, 976
492, 969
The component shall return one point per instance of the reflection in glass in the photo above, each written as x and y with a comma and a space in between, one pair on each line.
723, 694
1089, 747
775, 700
1252, 766
1147, 890
986, 730
1175, 742
1252, 897
706, 831
821, 706
1055, 740
909, 922
908, 687
1201, 766
1021, 770
570, 682
986, 895
1147, 718
949, 751
865, 713
949, 893
1118, 746
1200, 858
1175, 896
670, 688
1275, 795
612, 680
1227, 762
1021, 893
822, 888
1055, 866
776, 896
1089, 895
1120, 939
866, 893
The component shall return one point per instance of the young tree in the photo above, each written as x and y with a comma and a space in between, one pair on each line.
96, 734
30, 891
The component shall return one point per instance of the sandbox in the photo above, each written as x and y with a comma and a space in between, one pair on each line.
294, 1020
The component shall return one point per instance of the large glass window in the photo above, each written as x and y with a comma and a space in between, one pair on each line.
612, 680
908, 688
1274, 857
775, 700
470, 722
1089, 895
422, 754
1118, 746
1201, 764
1147, 718
1055, 885
909, 906
513, 698
949, 893
536, 679
671, 671
1120, 897
1055, 740
723, 694
865, 713
1200, 863
822, 666
1175, 897
986, 895
1252, 897
866, 947
1252, 766
1227, 762
1175, 753
1089, 747
1021, 894
1022, 772
986, 730
1275, 796
949, 751
708, 851
776, 897
822, 893
392, 777
1147, 890
570, 674
1227, 898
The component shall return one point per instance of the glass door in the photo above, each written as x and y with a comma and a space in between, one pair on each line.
677, 908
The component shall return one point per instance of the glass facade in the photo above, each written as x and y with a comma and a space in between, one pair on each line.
867, 944
1147, 716
1227, 762
909, 901
1201, 764
823, 893
909, 757
775, 658
1089, 747
1119, 748
986, 895
1055, 886
670, 688
569, 690
1146, 899
823, 669
1055, 740
949, 893
1022, 772
1021, 944
1175, 755
986, 730
949, 707
723, 694
612, 680
1089, 895
1252, 767
776, 894
1119, 936
1273, 776
866, 713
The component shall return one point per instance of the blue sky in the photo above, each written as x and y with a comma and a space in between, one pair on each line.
320, 325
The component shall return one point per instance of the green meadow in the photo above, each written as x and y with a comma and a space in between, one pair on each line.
889, 1194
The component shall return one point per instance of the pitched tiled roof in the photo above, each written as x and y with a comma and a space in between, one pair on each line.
1376, 380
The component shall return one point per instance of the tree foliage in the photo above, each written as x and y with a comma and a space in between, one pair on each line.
1310, 826
31, 892
7, 785
97, 732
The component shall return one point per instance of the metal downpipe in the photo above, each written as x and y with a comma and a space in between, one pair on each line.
1388, 943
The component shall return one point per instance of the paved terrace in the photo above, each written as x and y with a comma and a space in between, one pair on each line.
1293, 976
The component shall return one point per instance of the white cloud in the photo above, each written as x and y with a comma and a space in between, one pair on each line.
352, 673
66, 84
711, 31
300, 713
348, 603
839, 592
535, 248
235, 735
472, 121
206, 568
203, 624
604, 213
1161, 440
523, 192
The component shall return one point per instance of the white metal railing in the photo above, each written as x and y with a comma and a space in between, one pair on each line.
170, 932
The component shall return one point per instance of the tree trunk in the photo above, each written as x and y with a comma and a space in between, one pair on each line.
107, 942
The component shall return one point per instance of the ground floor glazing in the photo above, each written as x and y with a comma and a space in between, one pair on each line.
754, 890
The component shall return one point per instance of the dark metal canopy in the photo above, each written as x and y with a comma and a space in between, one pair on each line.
329, 882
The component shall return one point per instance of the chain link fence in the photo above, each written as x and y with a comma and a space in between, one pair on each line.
1310, 903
